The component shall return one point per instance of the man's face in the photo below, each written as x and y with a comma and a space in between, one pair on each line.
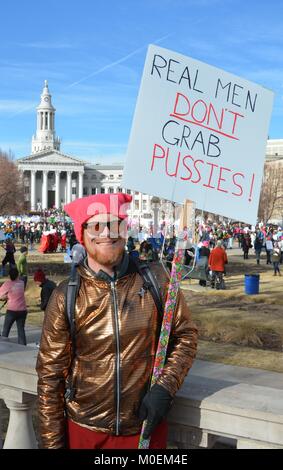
104, 239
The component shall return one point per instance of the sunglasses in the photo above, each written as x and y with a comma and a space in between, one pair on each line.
97, 228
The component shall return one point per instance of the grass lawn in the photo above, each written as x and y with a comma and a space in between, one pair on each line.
234, 328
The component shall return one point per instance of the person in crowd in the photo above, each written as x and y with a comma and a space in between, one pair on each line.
280, 244
63, 241
107, 371
217, 262
47, 287
204, 253
130, 244
268, 249
9, 256
72, 240
13, 291
22, 265
22, 233
275, 258
189, 256
169, 253
258, 248
31, 237
146, 252
246, 245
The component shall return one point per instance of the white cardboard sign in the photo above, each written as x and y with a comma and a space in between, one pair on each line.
198, 133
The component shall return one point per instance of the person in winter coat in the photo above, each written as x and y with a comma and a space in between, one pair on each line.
217, 261
9, 257
98, 394
47, 287
246, 245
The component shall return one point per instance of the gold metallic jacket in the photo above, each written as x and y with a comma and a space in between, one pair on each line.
117, 330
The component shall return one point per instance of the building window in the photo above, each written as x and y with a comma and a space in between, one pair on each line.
93, 190
119, 190
137, 205
144, 205
85, 192
129, 191
26, 189
111, 177
93, 177
102, 190
120, 176
74, 191
110, 190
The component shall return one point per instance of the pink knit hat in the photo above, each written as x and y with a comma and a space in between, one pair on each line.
84, 208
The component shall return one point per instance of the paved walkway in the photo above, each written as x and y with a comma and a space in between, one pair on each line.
32, 333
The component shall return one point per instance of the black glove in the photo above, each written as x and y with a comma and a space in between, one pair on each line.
154, 407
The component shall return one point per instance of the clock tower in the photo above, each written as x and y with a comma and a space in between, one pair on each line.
45, 137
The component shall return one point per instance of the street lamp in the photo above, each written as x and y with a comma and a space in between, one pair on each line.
155, 206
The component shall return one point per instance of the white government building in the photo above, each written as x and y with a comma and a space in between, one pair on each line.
52, 178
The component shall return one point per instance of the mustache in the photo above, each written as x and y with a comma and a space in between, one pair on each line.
104, 240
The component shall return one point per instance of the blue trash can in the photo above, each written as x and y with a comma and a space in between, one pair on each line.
251, 284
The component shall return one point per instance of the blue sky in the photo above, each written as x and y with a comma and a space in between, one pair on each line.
92, 54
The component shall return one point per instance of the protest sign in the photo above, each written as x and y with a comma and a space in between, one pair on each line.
198, 133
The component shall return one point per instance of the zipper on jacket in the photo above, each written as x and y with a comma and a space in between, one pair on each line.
117, 336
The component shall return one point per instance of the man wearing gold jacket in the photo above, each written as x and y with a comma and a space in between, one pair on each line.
117, 326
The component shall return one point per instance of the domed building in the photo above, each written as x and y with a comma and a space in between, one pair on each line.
52, 178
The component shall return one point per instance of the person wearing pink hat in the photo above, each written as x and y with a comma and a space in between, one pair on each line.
94, 373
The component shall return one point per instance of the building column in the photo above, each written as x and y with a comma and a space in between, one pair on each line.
45, 190
69, 186
20, 432
140, 206
32, 189
81, 183
132, 206
57, 189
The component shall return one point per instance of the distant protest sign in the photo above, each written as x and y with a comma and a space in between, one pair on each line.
198, 133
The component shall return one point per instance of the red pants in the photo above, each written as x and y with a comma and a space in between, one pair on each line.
83, 438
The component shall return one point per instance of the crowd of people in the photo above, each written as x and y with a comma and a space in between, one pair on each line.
201, 259
105, 290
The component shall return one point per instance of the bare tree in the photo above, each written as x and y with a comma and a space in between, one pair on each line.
271, 196
11, 186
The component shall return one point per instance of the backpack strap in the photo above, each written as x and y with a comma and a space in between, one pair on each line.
150, 283
70, 303
71, 296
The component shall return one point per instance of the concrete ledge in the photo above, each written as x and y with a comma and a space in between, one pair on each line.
215, 400
238, 411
